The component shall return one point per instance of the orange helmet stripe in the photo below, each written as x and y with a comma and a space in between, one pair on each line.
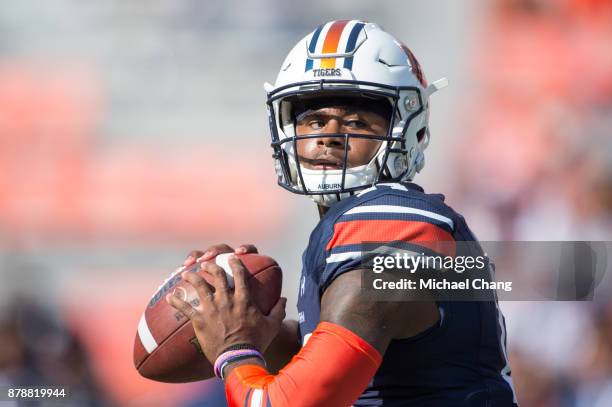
332, 39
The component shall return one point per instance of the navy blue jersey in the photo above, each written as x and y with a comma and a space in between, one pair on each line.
460, 361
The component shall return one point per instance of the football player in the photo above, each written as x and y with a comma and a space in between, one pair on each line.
348, 116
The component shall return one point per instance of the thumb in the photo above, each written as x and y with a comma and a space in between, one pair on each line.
277, 313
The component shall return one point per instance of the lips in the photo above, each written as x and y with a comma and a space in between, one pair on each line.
323, 162
326, 164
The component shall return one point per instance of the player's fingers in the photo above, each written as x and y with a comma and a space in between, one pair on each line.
182, 306
215, 250
277, 313
246, 248
191, 257
219, 279
241, 289
201, 286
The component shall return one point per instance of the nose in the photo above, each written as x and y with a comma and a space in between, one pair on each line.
332, 127
330, 141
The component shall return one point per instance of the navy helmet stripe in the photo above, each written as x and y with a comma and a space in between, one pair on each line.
313, 46
313, 41
350, 45
309, 64
352, 40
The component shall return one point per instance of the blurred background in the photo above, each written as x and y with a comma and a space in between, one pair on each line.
134, 132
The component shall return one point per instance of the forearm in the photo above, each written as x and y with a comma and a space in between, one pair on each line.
311, 378
284, 347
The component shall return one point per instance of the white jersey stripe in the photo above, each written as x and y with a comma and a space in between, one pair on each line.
256, 398
338, 257
399, 209
145, 335
506, 370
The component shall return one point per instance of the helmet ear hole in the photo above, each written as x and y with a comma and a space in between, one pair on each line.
420, 134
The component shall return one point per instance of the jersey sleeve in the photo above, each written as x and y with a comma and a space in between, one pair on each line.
332, 369
411, 224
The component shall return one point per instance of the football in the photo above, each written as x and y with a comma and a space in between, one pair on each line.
166, 348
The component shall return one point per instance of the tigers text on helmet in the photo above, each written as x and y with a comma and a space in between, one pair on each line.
356, 59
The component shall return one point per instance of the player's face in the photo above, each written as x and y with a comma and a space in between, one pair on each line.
326, 153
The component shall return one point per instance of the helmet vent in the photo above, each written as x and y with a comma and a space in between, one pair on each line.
382, 61
420, 134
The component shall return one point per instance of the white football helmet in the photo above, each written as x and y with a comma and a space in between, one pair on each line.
355, 59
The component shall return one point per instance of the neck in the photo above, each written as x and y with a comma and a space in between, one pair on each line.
322, 210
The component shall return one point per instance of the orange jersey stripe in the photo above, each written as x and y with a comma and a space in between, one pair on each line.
332, 39
376, 230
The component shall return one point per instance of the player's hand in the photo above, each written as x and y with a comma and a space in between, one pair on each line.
214, 250
227, 317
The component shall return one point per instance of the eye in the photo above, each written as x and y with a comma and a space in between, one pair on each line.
356, 124
316, 124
